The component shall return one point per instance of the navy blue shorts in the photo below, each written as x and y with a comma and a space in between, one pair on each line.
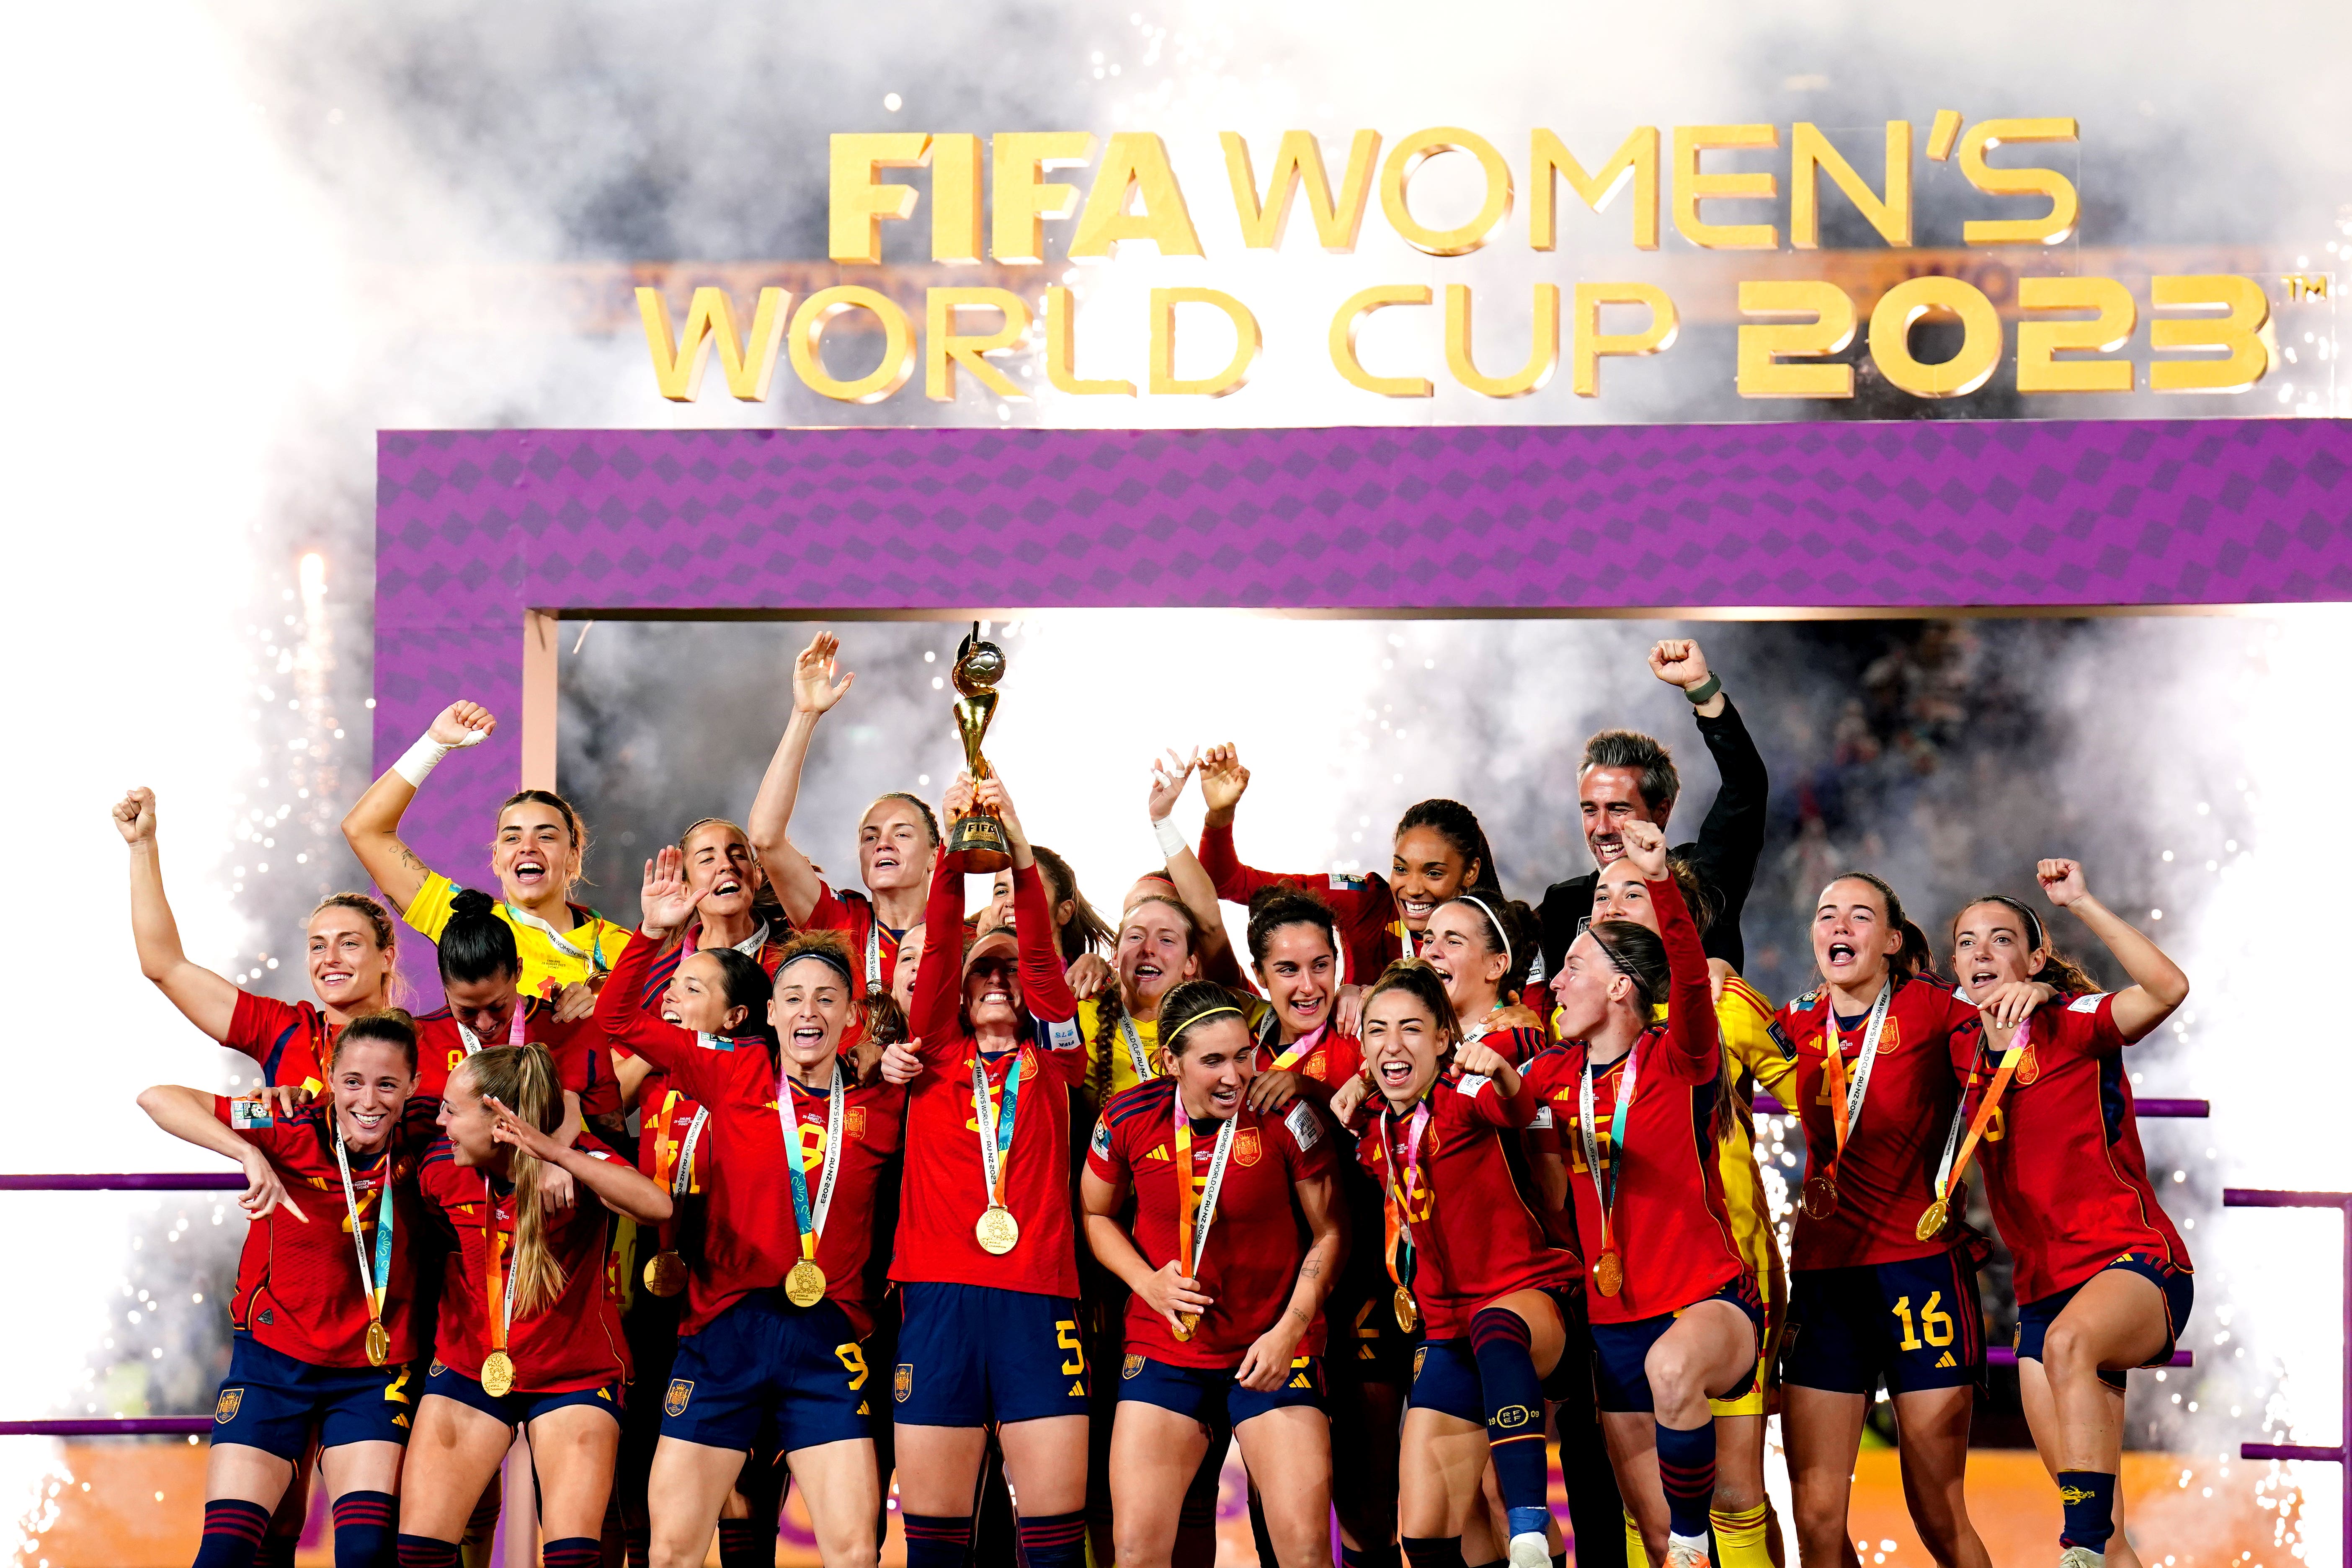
1620, 1353
971, 1355
2179, 1287
1915, 1324
1210, 1396
1445, 1372
518, 1408
764, 1361
271, 1402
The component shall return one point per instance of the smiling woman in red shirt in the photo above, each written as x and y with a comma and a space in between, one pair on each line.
1235, 1237
529, 1336
898, 840
348, 955
323, 1339
986, 1259
1674, 1311
2103, 1280
1486, 1281
1872, 1295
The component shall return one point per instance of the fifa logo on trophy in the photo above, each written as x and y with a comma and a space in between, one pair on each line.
979, 666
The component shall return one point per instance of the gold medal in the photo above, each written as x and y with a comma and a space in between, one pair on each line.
1408, 1314
1609, 1273
1931, 1221
497, 1374
1185, 1323
665, 1274
997, 1231
378, 1343
1821, 1197
804, 1284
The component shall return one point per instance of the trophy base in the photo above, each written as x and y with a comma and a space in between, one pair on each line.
981, 841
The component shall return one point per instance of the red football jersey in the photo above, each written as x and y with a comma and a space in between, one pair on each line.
572, 1343
298, 1281
1257, 1238
1474, 1238
290, 1040
1888, 1177
751, 1239
581, 1063
1669, 1224
1371, 931
2063, 1165
943, 1193
851, 914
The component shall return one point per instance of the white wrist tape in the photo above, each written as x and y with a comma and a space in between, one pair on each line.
1172, 842
420, 758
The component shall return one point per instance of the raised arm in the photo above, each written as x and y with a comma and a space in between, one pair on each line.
932, 1020
188, 1115
1194, 883
815, 693
1694, 1047
372, 828
2158, 984
619, 1013
207, 999
1731, 840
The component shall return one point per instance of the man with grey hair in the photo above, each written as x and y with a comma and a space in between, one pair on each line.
1629, 776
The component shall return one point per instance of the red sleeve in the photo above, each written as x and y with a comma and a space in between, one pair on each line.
269, 1133
632, 1031
1694, 1049
1488, 1107
1044, 985
1544, 1072
1105, 1158
1237, 883
280, 1036
1309, 1144
829, 913
933, 1019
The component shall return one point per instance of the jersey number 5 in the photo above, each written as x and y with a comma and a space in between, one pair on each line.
1065, 1334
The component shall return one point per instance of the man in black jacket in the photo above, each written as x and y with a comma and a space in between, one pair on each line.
1626, 775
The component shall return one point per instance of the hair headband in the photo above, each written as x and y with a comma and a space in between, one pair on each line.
823, 954
1216, 1012
1501, 936
2034, 933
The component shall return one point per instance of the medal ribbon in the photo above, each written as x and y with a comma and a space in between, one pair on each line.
873, 953
995, 1124
1128, 1033
494, 1283
1846, 1098
1300, 1050
808, 1224
371, 1286
594, 953
515, 1028
1397, 1206
1949, 1174
1604, 1186
1192, 1227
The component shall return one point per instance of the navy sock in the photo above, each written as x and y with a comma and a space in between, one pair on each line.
637, 1544
577, 1551
423, 1552
1053, 1540
1433, 1550
1384, 1555
1515, 1422
936, 1541
233, 1532
747, 1543
278, 1551
2089, 1499
365, 1534
1686, 1471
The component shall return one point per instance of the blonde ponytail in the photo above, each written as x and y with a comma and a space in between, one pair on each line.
522, 1078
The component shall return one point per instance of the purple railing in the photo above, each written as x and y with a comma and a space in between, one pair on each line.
1765, 1105
128, 1182
2341, 1454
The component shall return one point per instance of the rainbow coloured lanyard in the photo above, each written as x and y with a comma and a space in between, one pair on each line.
373, 1285
809, 1218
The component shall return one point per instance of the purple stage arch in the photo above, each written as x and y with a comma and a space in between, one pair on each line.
484, 538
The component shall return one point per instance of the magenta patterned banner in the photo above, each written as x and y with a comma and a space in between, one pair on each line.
475, 528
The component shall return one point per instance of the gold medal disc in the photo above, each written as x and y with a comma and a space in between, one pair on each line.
1821, 1196
1931, 1221
804, 1284
997, 1231
1609, 1273
1408, 1314
665, 1274
497, 1374
379, 1343
1185, 1323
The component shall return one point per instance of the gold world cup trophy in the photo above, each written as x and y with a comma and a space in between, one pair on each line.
978, 837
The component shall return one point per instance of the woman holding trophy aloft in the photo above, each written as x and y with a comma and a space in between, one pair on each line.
986, 1257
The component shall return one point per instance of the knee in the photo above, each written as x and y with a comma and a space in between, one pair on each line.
1736, 1494
2066, 1353
1674, 1379
1820, 1526
1131, 1545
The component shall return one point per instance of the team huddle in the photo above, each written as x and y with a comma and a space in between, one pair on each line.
1035, 1213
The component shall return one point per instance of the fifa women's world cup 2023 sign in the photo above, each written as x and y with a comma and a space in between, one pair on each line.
2072, 332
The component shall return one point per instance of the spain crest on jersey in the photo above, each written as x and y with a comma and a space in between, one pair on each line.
225, 1408
1130, 1367
902, 1382
1246, 1146
681, 1392
853, 1123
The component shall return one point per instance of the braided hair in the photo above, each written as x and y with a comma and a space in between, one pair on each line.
1111, 1006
